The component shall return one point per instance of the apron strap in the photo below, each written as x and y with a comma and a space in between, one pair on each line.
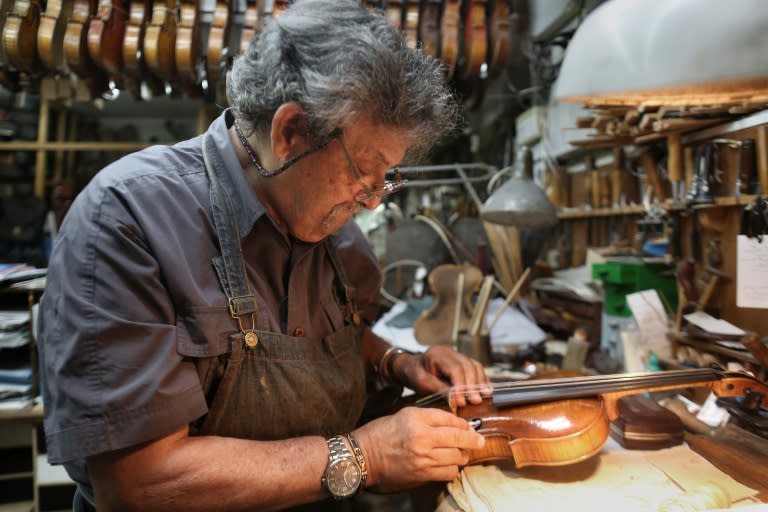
229, 266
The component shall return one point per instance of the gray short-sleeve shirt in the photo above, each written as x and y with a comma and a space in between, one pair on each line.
132, 299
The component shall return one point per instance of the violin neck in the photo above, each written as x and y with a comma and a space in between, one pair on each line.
518, 393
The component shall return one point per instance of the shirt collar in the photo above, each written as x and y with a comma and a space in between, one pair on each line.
246, 204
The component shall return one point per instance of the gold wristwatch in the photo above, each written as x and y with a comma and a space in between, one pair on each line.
343, 476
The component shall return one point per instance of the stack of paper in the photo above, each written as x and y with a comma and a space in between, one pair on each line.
15, 371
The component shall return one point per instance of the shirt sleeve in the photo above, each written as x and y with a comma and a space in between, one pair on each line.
111, 374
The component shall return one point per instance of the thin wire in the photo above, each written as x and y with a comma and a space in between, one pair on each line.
448, 245
399, 263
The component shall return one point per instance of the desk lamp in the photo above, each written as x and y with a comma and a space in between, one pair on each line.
519, 201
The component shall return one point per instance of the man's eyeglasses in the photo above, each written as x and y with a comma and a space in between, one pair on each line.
371, 193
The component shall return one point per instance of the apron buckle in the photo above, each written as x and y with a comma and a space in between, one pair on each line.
241, 305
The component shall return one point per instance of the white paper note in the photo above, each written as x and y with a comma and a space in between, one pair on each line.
652, 320
751, 272
714, 325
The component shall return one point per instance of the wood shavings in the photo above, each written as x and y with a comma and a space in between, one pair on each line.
707, 496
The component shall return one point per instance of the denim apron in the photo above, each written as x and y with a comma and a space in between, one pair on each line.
277, 386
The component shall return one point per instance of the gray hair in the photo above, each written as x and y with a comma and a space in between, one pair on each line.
338, 60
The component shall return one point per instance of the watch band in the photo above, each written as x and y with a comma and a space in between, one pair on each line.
360, 458
337, 448
336, 478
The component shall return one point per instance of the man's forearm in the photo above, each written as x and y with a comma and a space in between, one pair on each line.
210, 473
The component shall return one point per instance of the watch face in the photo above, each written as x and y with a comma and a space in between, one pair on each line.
343, 478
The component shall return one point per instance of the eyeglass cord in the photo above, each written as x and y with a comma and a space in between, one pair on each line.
271, 174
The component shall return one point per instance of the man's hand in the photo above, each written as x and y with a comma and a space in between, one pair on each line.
440, 367
416, 446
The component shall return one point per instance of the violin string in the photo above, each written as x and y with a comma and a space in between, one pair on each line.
671, 375
591, 382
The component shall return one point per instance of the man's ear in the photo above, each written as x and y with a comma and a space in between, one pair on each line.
289, 129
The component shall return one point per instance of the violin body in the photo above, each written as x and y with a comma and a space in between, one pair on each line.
449, 35
437, 324
500, 29
50, 36
105, 36
541, 434
218, 53
189, 62
475, 41
160, 40
20, 36
76, 48
429, 27
137, 73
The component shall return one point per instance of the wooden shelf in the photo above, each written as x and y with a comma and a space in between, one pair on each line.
77, 146
638, 210
729, 201
17, 476
17, 506
737, 355
600, 212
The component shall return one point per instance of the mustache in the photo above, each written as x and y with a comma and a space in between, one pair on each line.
350, 208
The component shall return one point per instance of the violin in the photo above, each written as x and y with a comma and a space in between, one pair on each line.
475, 41
160, 41
449, 35
138, 79
500, 27
189, 59
105, 37
76, 52
219, 54
9, 78
410, 23
429, 27
560, 421
453, 287
50, 36
20, 36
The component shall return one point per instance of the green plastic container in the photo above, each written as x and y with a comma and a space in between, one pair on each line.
621, 277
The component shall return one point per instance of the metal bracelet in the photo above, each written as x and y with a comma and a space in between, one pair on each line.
360, 458
384, 367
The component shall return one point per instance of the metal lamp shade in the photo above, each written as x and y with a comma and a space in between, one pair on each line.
519, 202
668, 52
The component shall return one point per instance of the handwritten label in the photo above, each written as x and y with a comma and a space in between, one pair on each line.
751, 272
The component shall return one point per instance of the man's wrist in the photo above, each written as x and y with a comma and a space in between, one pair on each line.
384, 366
